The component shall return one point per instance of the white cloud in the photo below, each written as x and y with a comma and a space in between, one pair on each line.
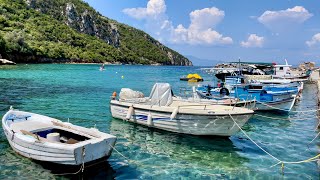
253, 41
154, 8
284, 19
200, 30
314, 41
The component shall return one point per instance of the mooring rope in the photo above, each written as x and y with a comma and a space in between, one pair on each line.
119, 153
279, 161
290, 119
314, 138
314, 110
81, 167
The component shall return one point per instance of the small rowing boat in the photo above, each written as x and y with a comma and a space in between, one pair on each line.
50, 140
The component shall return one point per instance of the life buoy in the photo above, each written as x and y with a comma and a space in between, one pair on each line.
224, 91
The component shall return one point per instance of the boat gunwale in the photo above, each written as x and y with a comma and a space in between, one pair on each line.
120, 104
55, 145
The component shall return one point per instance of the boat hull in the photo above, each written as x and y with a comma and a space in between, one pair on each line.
210, 124
282, 105
59, 153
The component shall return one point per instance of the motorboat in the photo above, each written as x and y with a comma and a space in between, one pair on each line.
160, 110
266, 97
268, 94
202, 95
258, 70
50, 140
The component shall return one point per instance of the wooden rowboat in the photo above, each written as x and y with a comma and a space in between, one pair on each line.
50, 140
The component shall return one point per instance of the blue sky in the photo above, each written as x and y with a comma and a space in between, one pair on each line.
225, 30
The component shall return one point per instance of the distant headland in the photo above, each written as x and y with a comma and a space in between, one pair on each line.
34, 31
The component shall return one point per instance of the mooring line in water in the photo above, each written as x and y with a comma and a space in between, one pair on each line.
119, 153
279, 161
314, 110
314, 138
81, 167
290, 119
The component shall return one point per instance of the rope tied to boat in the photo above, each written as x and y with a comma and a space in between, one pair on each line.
313, 110
290, 119
119, 153
277, 159
83, 153
83, 149
12, 135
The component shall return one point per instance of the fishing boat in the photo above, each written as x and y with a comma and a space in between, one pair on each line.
269, 95
266, 97
282, 71
258, 70
47, 139
160, 110
202, 96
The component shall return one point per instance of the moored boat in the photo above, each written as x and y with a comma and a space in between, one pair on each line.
47, 139
161, 111
267, 96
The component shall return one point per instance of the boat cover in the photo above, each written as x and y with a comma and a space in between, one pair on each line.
127, 93
161, 94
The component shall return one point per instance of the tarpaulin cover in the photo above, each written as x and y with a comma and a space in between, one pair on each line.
161, 94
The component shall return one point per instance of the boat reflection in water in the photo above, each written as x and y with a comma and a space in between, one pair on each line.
161, 152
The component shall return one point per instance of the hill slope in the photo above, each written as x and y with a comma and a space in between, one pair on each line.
42, 31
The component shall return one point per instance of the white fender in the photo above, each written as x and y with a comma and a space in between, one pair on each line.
130, 112
149, 120
174, 113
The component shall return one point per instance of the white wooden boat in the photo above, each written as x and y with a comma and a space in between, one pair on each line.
284, 105
161, 111
50, 140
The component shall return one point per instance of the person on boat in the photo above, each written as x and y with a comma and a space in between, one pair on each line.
208, 93
219, 84
222, 84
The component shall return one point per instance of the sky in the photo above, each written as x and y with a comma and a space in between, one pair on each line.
226, 30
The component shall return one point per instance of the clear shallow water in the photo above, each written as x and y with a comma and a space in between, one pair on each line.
82, 93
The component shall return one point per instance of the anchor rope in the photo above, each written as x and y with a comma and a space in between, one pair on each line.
279, 161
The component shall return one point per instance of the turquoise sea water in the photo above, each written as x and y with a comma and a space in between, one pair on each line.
82, 93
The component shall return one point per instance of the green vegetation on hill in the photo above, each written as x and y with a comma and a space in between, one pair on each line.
43, 31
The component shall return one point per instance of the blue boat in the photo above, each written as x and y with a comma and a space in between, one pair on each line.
268, 97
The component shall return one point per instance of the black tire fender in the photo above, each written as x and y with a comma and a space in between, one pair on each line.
224, 91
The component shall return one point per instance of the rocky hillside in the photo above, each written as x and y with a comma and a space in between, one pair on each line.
42, 31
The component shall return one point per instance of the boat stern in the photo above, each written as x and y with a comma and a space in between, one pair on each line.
96, 149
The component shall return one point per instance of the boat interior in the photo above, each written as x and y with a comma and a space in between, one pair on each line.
44, 130
65, 136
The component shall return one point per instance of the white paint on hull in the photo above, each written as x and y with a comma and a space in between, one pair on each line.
284, 105
96, 147
195, 124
